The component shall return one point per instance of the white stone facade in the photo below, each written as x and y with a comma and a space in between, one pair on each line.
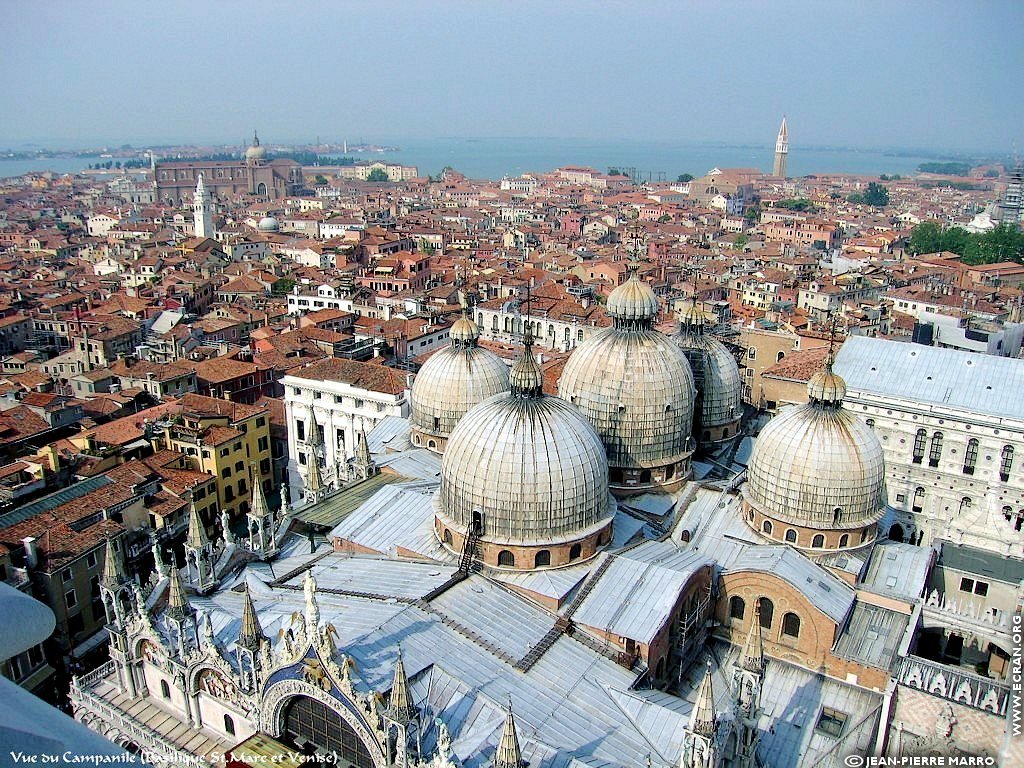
341, 410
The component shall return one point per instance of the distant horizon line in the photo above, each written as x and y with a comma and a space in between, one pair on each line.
56, 144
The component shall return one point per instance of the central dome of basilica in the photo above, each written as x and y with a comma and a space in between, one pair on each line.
526, 474
816, 476
635, 386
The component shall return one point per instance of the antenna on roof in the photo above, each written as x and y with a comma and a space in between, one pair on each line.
833, 321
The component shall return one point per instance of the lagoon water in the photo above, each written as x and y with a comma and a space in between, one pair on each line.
492, 158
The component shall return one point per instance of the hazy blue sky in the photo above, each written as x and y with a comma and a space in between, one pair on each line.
910, 74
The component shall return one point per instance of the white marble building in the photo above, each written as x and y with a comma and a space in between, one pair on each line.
328, 404
951, 425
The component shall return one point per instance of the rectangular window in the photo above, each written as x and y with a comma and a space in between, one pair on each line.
90, 561
262, 444
224, 452
300, 430
70, 599
302, 459
831, 721
981, 588
260, 421
966, 585
65, 575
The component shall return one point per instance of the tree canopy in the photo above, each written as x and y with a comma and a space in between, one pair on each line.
801, 204
684, 177
1004, 243
875, 195
377, 174
946, 169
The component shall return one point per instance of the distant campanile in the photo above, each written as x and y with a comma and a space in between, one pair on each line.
781, 151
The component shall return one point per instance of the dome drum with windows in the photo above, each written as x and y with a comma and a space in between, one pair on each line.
635, 386
450, 383
816, 477
525, 475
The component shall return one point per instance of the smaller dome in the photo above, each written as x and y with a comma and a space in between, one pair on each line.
255, 152
826, 386
633, 300
526, 377
268, 224
464, 330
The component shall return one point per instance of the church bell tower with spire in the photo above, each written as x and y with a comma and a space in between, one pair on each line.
781, 151
202, 210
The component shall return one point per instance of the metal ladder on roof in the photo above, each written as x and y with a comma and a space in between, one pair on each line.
470, 559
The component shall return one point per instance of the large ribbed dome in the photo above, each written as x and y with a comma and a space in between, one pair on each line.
451, 382
716, 375
818, 466
635, 386
530, 466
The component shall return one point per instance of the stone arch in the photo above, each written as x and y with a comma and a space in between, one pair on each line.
278, 695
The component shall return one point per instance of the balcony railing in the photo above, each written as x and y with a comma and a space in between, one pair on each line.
953, 684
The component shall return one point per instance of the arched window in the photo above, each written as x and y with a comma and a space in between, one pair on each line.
971, 457
685, 535
165, 689
791, 536
542, 558
737, 607
494, 323
896, 532
446, 537
791, 625
818, 541
936, 451
919, 440
918, 503
229, 725
871, 423
1006, 463
645, 476
506, 558
767, 612
766, 527
779, 356
575, 551
844, 540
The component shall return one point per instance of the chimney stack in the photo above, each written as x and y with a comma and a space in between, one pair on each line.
31, 551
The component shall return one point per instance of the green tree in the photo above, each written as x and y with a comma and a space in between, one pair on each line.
614, 172
282, 286
801, 204
991, 173
753, 212
875, 195
684, 177
377, 174
742, 239
320, 179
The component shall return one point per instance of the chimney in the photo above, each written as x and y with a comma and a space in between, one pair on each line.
227, 394
31, 551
